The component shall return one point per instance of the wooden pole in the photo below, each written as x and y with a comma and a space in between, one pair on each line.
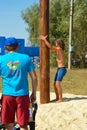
44, 53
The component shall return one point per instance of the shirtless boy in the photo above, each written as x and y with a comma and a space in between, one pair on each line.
58, 48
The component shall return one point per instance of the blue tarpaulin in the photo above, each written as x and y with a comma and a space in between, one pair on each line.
32, 51
21, 43
2, 40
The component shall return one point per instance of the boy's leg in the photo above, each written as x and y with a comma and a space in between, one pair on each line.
56, 92
58, 79
59, 90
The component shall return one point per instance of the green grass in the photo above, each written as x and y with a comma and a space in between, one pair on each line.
75, 81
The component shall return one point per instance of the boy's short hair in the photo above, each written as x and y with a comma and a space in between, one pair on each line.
11, 41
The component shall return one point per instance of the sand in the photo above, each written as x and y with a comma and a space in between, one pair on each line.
68, 115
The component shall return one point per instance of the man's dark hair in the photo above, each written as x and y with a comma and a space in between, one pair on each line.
11, 48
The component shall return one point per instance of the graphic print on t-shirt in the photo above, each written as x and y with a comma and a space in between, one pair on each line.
14, 65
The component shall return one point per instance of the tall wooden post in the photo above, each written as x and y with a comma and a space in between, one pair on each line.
44, 53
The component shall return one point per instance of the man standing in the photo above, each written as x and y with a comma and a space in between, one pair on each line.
14, 69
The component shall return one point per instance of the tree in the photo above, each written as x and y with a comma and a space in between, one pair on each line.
59, 24
31, 17
80, 26
59, 19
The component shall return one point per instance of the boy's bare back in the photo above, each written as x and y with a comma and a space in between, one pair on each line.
60, 58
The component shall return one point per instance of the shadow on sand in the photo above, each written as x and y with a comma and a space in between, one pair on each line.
65, 99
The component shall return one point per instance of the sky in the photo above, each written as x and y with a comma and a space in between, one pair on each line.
11, 22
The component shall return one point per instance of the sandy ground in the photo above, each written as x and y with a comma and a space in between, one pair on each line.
68, 115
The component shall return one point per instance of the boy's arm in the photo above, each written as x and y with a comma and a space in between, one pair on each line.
53, 48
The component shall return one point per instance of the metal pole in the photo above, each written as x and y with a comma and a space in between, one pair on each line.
44, 53
70, 33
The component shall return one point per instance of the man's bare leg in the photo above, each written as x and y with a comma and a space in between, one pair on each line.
9, 126
23, 128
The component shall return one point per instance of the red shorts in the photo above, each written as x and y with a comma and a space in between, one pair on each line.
12, 105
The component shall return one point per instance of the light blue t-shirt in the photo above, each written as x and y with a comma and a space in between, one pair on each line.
14, 68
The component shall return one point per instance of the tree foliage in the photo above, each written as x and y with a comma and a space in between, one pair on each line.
59, 20
31, 17
80, 26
